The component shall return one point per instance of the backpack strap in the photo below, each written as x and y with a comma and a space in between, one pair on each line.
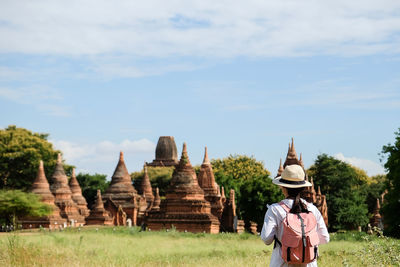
276, 241
284, 206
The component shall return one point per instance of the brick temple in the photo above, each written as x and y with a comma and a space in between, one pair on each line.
41, 187
63, 196
166, 153
184, 207
121, 199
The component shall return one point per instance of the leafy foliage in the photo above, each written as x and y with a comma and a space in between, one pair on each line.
392, 198
159, 177
251, 182
16, 204
90, 183
342, 185
239, 167
20, 153
255, 194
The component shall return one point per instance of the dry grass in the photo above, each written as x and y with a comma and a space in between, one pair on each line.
129, 247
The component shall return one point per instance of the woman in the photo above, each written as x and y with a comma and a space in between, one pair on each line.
292, 182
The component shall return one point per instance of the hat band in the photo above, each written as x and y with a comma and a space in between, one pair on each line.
291, 182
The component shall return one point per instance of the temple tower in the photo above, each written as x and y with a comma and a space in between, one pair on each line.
280, 169
210, 187
122, 193
229, 220
291, 157
166, 152
77, 195
145, 187
184, 207
157, 201
98, 215
63, 195
377, 218
41, 187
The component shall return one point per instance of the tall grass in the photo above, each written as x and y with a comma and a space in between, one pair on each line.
109, 246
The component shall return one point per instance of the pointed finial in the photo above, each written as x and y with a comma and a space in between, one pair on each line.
41, 164
206, 160
157, 191
319, 190
378, 205
223, 192
73, 172
184, 149
59, 159
218, 190
121, 156
292, 143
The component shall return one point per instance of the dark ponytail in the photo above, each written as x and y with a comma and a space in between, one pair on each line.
298, 205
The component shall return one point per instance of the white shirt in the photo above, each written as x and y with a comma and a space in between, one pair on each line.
273, 227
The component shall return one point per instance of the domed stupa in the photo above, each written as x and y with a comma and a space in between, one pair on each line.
166, 153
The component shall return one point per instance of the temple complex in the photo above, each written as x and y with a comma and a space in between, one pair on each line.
210, 187
77, 195
63, 196
41, 187
121, 198
185, 207
309, 193
98, 215
166, 152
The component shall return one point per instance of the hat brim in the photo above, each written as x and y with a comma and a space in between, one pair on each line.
278, 181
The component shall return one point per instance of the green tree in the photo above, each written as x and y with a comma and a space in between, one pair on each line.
239, 167
20, 153
255, 194
343, 187
159, 177
90, 183
251, 182
391, 206
15, 204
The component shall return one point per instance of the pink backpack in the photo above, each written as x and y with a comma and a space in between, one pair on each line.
300, 238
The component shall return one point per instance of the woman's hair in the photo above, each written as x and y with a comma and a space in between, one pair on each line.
298, 206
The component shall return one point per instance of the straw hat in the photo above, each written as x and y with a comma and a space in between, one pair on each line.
293, 176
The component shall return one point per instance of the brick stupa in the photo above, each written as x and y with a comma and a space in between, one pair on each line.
98, 215
184, 207
77, 195
166, 153
41, 187
210, 187
229, 220
146, 189
121, 194
63, 195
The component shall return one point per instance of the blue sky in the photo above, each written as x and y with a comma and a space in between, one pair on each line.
241, 78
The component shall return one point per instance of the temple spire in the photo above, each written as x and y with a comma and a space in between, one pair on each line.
99, 201
206, 160
301, 160
280, 169
184, 158
291, 157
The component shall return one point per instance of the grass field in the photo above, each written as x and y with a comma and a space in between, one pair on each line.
130, 247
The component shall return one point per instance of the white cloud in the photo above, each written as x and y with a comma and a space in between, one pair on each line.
102, 157
42, 98
371, 167
200, 28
